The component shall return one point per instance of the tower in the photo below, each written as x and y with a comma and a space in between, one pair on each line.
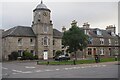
43, 28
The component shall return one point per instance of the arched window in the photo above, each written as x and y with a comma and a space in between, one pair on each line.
45, 41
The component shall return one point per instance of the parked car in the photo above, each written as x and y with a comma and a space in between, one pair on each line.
62, 57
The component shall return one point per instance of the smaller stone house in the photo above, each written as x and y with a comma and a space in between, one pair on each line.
101, 42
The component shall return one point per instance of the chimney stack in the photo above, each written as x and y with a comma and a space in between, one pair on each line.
86, 25
63, 29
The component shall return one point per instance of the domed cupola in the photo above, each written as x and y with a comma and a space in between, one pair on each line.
41, 6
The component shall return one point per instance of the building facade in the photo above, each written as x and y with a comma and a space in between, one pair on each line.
40, 39
101, 42
43, 40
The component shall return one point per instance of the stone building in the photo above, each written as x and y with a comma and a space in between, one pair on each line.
40, 39
101, 42
43, 40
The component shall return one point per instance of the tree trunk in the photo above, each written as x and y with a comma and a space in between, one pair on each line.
75, 56
74, 61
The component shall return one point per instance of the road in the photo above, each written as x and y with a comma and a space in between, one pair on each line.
29, 69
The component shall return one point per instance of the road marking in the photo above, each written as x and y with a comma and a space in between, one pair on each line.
4, 68
89, 66
15, 73
38, 71
95, 66
28, 72
57, 69
103, 65
48, 70
74, 67
15, 70
82, 67
29, 67
68, 68
78, 67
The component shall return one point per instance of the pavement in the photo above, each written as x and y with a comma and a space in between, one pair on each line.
30, 69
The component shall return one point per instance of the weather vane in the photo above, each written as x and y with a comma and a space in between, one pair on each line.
41, 2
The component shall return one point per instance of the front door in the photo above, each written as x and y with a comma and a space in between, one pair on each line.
45, 55
94, 51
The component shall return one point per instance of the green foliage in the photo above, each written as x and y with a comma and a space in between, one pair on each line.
58, 53
77, 62
74, 38
27, 55
13, 55
36, 57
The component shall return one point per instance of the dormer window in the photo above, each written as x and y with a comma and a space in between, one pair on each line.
98, 32
90, 40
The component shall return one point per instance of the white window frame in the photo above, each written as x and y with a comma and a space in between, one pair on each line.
47, 40
101, 51
20, 43
109, 40
32, 43
101, 41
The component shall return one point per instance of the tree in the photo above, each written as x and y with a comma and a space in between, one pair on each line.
74, 39
58, 53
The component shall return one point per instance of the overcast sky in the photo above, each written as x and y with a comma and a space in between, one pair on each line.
98, 14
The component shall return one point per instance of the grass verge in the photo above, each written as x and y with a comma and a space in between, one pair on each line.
70, 62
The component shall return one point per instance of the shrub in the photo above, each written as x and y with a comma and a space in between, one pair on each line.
36, 57
13, 55
58, 53
27, 56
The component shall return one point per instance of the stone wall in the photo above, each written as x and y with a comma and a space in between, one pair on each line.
10, 44
57, 44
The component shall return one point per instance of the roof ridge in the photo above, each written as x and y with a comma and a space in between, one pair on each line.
13, 30
23, 26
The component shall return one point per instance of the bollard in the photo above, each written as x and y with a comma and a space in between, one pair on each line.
37, 62
115, 58
74, 62
47, 62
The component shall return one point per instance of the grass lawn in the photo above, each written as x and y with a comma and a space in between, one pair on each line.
70, 62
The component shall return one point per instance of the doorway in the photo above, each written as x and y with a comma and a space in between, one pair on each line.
45, 55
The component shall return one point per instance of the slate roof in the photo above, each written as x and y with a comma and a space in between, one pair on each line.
23, 31
57, 33
19, 31
105, 34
